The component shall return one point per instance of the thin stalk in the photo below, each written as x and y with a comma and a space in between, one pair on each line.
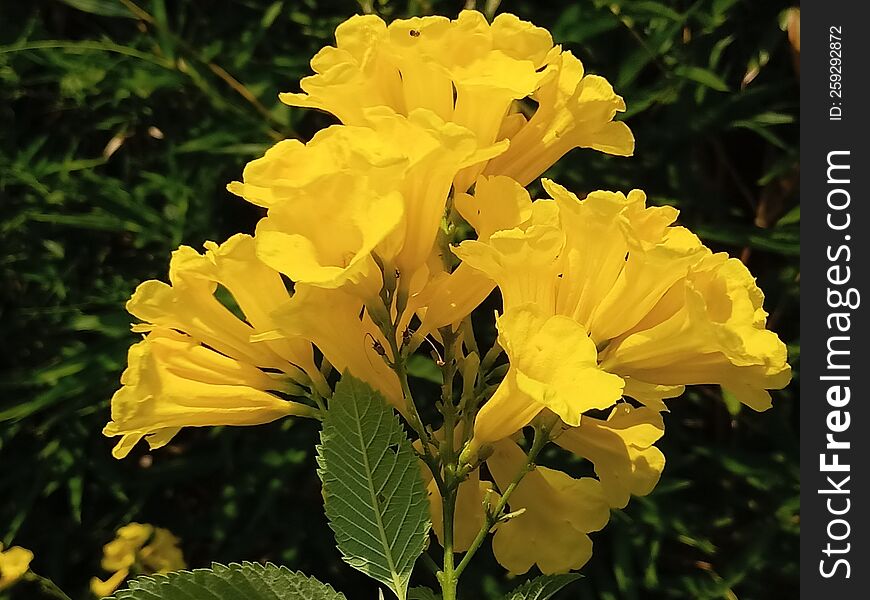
448, 576
397, 363
48, 588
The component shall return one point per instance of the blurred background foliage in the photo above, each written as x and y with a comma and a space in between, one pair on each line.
120, 125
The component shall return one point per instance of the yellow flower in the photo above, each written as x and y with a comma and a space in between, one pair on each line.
474, 74
334, 320
383, 188
138, 548
162, 553
552, 365
497, 203
660, 311
121, 552
559, 513
197, 365
708, 328
14, 563
621, 448
574, 110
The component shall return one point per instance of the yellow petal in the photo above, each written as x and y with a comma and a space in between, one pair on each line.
190, 304
162, 554
708, 329
574, 110
497, 203
621, 448
294, 240
522, 261
101, 588
506, 412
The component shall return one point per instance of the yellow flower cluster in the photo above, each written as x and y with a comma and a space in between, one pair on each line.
607, 305
138, 549
14, 563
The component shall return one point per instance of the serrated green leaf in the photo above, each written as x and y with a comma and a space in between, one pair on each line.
245, 581
543, 587
373, 492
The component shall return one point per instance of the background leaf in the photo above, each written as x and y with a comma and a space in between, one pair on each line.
374, 495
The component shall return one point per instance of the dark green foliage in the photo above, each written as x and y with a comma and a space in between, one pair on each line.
117, 136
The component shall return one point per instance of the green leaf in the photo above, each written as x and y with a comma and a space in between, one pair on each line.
423, 367
246, 581
423, 593
104, 8
731, 403
374, 495
543, 587
704, 77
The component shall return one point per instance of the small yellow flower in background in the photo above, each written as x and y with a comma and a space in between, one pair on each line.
14, 563
197, 365
475, 74
138, 549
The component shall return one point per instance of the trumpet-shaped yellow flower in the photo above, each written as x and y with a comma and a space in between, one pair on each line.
139, 549
553, 364
621, 448
523, 261
574, 110
660, 310
14, 563
497, 203
709, 328
474, 74
172, 381
355, 197
197, 365
559, 512
336, 322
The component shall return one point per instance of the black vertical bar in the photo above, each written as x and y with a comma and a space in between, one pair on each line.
835, 234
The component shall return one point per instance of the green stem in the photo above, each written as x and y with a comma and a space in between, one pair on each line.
542, 436
430, 563
397, 363
449, 576
46, 586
